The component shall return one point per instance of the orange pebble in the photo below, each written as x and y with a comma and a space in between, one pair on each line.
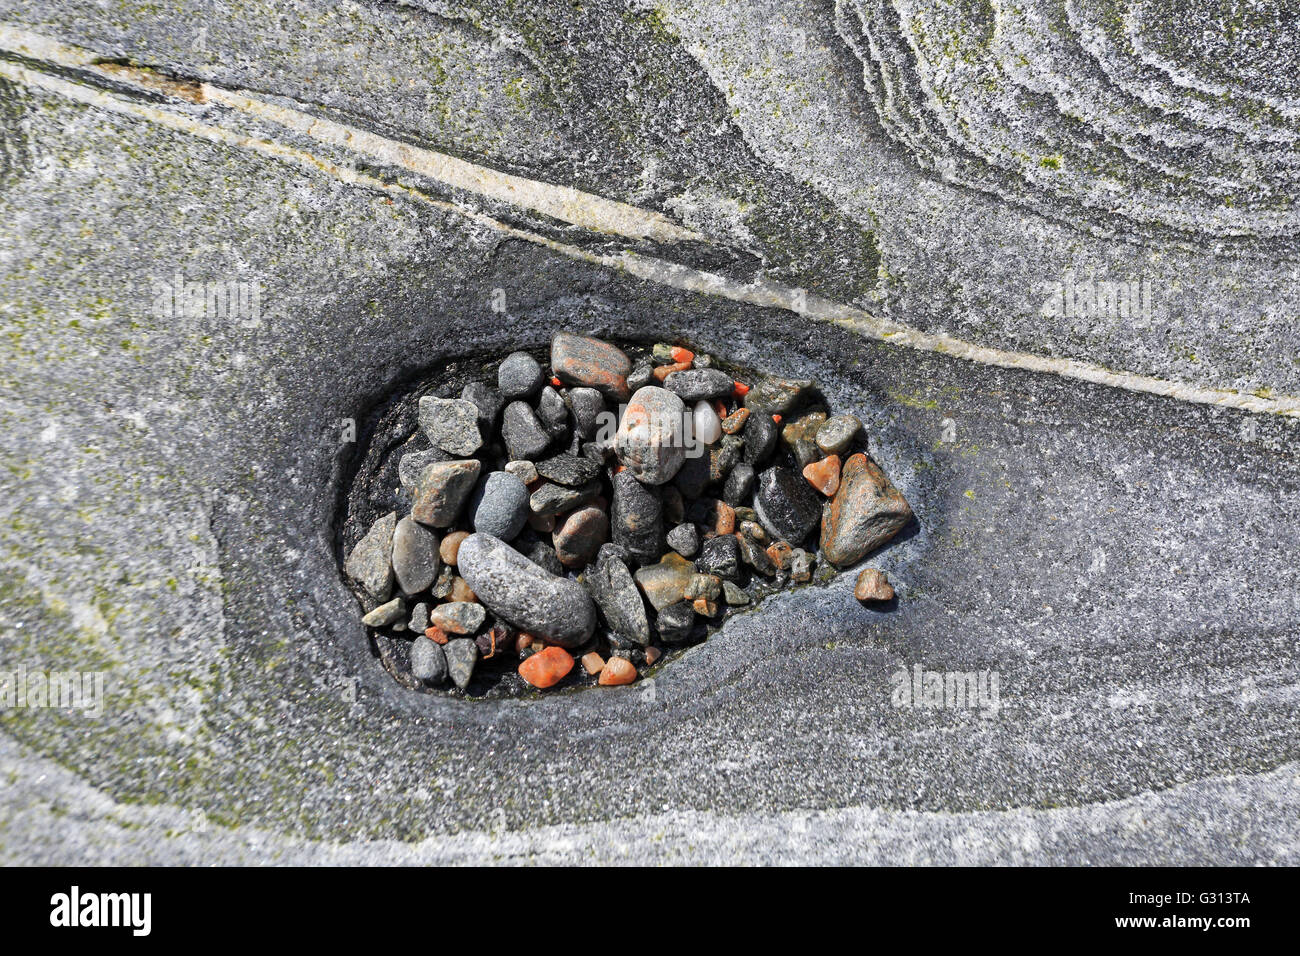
593, 663
652, 654
556, 382
740, 389
824, 475
460, 591
523, 642
663, 371
777, 419
682, 356
449, 550
724, 518
436, 634
618, 670
546, 668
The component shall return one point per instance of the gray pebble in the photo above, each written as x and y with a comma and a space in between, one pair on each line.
415, 555
519, 376
696, 384
428, 662
836, 434
385, 614
419, 621
685, 540
734, 594
488, 401
500, 505
462, 655
740, 484
413, 463
523, 433
370, 564
450, 424
586, 404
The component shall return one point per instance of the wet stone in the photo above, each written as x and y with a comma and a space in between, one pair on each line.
720, 556
684, 539
675, 622
776, 395
724, 456
786, 506
761, 436
523, 434
569, 470
665, 583
740, 484
866, 512
837, 433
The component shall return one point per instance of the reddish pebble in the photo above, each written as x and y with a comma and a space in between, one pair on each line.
781, 553
663, 371
449, 550
777, 419
724, 518
546, 668
824, 475
652, 654
436, 634
704, 607
460, 591
556, 382
739, 389
618, 670
735, 421
593, 663
873, 586
682, 356
523, 641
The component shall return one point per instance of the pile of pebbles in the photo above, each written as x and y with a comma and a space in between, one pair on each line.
572, 524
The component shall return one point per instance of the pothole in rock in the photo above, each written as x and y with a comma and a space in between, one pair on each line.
576, 516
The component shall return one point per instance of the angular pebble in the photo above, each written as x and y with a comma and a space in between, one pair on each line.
837, 433
777, 396
415, 555
615, 592
549, 499
370, 564
553, 414
413, 463
462, 655
739, 485
568, 470
547, 667
675, 622
720, 556
734, 594
450, 424
685, 540
761, 437
523, 434
824, 475
428, 662
500, 506
865, 513
385, 614
665, 583
636, 517
458, 617
699, 383
442, 490
590, 362
872, 585
586, 406
786, 506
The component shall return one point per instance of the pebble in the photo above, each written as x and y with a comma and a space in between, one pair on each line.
724, 518
740, 483
462, 655
450, 424
761, 435
436, 634
522, 469
776, 395
586, 405
450, 546
568, 470
543, 555
636, 518
708, 586
617, 671
525, 595
613, 589
781, 554
419, 620
684, 539
640, 377
428, 662
442, 490
370, 564
442, 586
580, 536
753, 554
872, 585
500, 506
695, 384
665, 583
649, 441
652, 654
734, 422
488, 401
519, 376
415, 556
458, 617
593, 663
385, 614
552, 413
720, 556
734, 594
837, 433
786, 506
412, 463
584, 361
549, 499
824, 475
461, 591
865, 513
752, 529
724, 456
708, 427
547, 667
675, 621
522, 432
801, 566
799, 435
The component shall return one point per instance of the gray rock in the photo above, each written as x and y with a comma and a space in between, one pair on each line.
419, 620
550, 499
519, 376
801, 566
499, 506
786, 504
684, 539
566, 469
636, 518
553, 414
586, 405
777, 396
734, 594
675, 622
443, 584
428, 662
451, 424
650, 439
724, 456
458, 617
442, 490
414, 462
544, 556
524, 594
523, 469
696, 384
761, 436
523, 434
739, 485
488, 401
720, 556
753, 554
837, 433
640, 377
866, 512
385, 614
370, 564
415, 555
462, 655
615, 592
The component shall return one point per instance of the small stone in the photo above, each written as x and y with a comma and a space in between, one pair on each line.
675, 621
753, 554
442, 585
450, 424
493, 642
836, 434
649, 441
428, 662
652, 655
579, 360
703, 586
450, 546
580, 536
551, 499
734, 594
462, 655
522, 469
636, 517
523, 433
708, 428
543, 555
385, 614
547, 667
436, 634
781, 554
524, 594
413, 463
752, 529
519, 376
786, 506
415, 555
665, 583
593, 663
865, 513
461, 591
872, 585
568, 470
699, 383
489, 403
801, 566
617, 671
824, 475
734, 422
500, 506
662, 353
704, 607
586, 406
761, 436
724, 518
740, 483
552, 413
685, 540
419, 620
615, 593
720, 556
724, 456
777, 396
442, 491
458, 617
640, 377
370, 564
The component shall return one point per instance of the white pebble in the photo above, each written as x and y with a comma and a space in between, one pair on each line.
708, 428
